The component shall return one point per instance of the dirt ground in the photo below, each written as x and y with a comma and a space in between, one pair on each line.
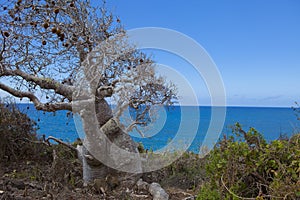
41, 179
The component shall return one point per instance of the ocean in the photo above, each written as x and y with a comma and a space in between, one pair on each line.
173, 127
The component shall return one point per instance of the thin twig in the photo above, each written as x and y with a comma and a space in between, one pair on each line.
47, 142
245, 198
232, 193
60, 142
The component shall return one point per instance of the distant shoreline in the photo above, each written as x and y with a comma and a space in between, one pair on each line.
229, 106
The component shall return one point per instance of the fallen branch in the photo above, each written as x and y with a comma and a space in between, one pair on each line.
59, 142
47, 142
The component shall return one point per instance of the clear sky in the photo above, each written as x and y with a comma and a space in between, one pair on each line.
255, 44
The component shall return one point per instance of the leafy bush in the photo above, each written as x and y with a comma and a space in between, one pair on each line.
17, 134
246, 166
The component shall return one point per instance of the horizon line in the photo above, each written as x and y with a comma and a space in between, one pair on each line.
205, 105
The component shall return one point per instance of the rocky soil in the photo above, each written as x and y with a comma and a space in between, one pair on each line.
44, 179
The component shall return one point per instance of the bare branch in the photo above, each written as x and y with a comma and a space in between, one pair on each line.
3, 46
45, 83
50, 107
121, 108
134, 126
60, 142
123, 80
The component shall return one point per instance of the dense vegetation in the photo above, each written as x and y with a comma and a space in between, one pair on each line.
28, 163
245, 166
242, 166
17, 131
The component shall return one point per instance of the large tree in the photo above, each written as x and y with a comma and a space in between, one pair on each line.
68, 55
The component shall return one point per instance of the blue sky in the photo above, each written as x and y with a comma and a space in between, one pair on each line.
255, 44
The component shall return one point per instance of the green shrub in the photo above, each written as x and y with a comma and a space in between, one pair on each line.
245, 165
17, 134
207, 192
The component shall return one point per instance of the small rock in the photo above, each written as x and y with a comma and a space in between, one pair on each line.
189, 198
157, 192
142, 185
1, 191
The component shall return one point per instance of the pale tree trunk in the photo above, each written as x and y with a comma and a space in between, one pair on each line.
94, 169
103, 119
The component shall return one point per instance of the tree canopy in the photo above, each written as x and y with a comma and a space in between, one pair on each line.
45, 45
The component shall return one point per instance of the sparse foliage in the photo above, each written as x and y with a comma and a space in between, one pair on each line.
44, 43
53, 52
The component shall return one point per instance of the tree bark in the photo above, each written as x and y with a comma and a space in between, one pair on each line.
93, 168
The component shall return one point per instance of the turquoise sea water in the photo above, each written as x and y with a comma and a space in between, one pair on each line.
271, 122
